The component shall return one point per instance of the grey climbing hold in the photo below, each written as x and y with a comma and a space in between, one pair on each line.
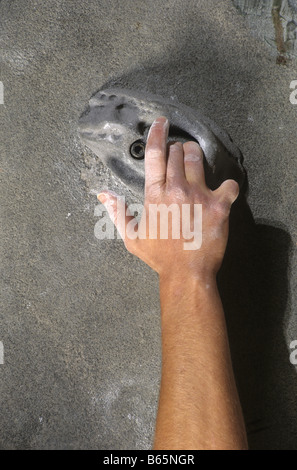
115, 127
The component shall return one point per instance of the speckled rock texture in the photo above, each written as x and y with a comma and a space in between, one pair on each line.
79, 317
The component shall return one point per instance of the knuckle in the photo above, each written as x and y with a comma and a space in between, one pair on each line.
152, 191
201, 196
177, 193
230, 189
193, 159
221, 209
233, 186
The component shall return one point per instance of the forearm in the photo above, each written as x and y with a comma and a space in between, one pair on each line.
199, 406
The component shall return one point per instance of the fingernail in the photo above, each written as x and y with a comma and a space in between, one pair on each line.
166, 123
159, 120
102, 197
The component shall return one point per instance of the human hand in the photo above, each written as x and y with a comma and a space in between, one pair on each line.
174, 174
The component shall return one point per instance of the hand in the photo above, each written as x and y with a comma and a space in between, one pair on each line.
175, 175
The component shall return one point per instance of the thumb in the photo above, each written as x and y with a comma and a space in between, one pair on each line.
228, 191
119, 214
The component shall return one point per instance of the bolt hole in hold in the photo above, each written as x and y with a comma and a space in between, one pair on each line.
137, 150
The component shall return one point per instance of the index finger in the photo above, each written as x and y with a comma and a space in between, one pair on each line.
156, 154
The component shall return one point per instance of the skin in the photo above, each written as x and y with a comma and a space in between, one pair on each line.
199, 406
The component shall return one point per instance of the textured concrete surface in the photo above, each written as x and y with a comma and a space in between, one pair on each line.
80, 317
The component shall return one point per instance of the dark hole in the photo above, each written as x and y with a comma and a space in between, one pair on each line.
141, 127
179, 134
137, 149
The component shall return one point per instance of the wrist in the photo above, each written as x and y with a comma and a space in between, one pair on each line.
186, 298
179, 282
